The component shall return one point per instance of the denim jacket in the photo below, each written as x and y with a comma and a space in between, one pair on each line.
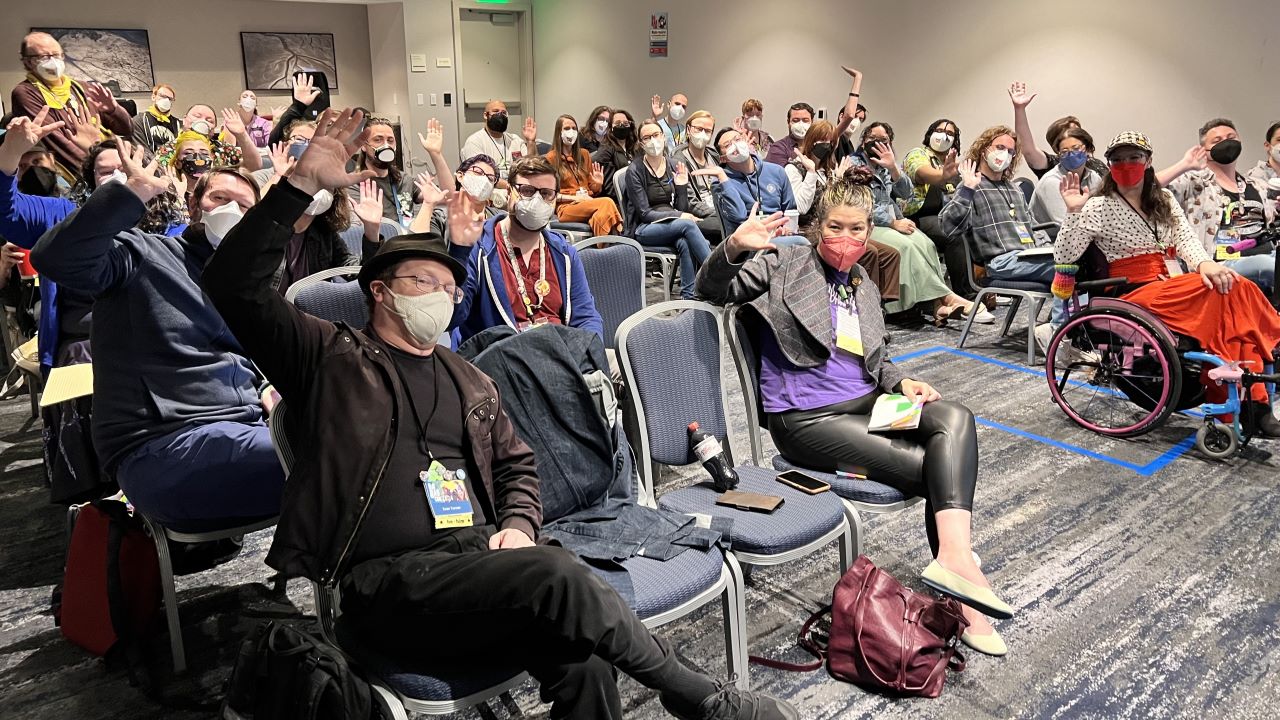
885, 190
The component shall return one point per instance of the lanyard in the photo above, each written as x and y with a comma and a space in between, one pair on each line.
1155, 230
541, 288
421, 426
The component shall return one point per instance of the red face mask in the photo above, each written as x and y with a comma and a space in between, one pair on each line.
842, 252
1128, 174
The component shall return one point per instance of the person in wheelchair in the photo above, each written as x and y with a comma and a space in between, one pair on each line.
1143, 234
823, 365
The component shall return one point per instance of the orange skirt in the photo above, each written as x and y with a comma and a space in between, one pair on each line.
1240, 325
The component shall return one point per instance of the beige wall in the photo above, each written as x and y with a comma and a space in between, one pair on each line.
1117, 64
196, 46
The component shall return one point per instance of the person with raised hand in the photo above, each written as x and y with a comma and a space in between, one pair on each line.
382, 415
817, 397
433, 143
494, 141
234, 126
177, 416
157, 125
581, 183
305, 94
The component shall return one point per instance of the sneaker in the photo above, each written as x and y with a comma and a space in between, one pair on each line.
1004, 300
1044, 333
730, 703
983, 315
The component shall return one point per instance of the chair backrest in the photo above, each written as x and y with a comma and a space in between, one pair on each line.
615, 274
332, 301
1027, 186
724, 226
967, 244
746, 360
620, 189
672, 370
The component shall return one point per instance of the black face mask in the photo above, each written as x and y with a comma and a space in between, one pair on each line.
1225, 152
871, 149
622, 132
497, 122
821, 150
195, 166
39, 181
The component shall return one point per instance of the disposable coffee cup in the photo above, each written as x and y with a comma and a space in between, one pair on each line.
793, 221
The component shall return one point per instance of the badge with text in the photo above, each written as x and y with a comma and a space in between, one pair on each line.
1025, 235
447, 494
848, 331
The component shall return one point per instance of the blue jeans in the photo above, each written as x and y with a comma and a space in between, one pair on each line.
688, 241
205, 477
1009, 266
1261, 269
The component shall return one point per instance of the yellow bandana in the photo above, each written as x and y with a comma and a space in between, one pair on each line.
57, 97
162, 117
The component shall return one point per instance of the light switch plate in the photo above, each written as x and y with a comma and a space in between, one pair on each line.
444, 62
418, 63
420, 98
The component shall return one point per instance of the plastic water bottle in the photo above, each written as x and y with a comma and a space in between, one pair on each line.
709, 452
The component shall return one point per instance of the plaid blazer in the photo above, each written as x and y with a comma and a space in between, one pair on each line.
788, 288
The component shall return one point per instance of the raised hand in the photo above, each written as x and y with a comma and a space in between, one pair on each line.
969, 174
430, 193
232, 123
277, 112
855, 74
657, 106
324, 164
804, 160
1196, 158
85, 133
100, 98
281, 161
530, 131
304, 89
950, 167
740, 124
25, 132
433, 141
369, 207
1074, 194
465, 223
680, 174
886, 158
842, 167
755, 234
1020, 96
597, 173
142, 178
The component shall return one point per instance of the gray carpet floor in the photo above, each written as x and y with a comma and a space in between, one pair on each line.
1144, 577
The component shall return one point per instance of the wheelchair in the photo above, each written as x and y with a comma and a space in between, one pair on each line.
1116, 370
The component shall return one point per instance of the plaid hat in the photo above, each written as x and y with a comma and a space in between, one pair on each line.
1132, 138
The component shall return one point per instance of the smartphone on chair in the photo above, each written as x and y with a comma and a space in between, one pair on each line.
803, 483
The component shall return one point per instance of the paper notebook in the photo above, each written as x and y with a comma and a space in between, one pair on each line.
67, 383
1036, 252
895, 412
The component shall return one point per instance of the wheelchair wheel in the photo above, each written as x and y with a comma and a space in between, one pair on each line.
1217, 441
1112, 373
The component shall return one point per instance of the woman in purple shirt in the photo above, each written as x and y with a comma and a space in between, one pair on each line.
823, 364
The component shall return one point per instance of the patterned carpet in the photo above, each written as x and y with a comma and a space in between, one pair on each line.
1144, 577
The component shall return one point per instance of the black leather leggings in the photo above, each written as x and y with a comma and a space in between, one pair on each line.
937, 461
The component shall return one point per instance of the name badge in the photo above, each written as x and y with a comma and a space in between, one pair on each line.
1025, 235
447, 495
848, 331
1172, 267
1222, 246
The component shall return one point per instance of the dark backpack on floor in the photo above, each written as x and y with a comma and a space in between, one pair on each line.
283, 673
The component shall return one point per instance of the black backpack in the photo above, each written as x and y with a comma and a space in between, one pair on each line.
283, 673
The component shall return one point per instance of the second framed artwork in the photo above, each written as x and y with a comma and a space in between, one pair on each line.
271, 59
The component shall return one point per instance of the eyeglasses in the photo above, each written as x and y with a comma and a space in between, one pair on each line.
527, 191
42, 58
299, 139
622, 125
427, 285
477, 170
650, 136
1073, 148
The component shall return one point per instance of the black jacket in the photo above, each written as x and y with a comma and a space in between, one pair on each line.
344, 387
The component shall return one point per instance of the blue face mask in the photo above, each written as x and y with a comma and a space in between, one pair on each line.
1073, 160
296, 149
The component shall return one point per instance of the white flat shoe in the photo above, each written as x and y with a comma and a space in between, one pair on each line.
992, 644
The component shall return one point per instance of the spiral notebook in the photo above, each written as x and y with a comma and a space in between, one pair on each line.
895, 412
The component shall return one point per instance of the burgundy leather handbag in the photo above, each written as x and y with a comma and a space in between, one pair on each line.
884, 636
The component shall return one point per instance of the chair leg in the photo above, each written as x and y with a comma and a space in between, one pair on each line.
668, 277
968, 322
851, 542
1033, 313
735, 625
170, 597
1010, 315
390, 701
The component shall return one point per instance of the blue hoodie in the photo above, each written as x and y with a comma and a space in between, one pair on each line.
768, 185
485, 303
23, 219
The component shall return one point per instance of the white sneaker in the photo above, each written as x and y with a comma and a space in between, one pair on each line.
1003, 300
1044, 333
983, 315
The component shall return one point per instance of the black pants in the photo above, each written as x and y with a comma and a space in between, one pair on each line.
457, 605
952, 249
937, 461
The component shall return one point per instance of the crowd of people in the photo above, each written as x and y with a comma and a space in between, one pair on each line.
165, 244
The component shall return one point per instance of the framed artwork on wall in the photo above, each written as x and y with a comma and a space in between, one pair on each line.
119, 59
271, 59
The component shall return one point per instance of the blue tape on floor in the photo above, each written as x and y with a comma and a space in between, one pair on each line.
1148, 469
